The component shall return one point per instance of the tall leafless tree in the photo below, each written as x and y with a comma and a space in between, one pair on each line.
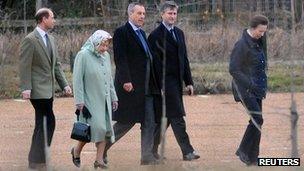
41, 3
293, 109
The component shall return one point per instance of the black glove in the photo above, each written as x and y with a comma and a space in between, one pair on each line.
77, 112
85, 112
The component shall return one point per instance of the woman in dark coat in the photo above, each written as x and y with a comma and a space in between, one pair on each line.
249, 85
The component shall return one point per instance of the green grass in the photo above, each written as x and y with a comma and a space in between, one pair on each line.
210, 78
214, 77
280, 78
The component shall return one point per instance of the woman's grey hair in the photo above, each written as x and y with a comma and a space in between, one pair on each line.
131, 7
168, 4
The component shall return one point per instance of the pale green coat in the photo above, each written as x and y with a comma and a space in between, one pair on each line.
93, 86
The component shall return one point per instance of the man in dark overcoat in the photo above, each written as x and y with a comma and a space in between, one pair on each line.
171, 39
135, 82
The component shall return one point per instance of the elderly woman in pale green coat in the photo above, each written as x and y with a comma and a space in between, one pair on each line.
93, 88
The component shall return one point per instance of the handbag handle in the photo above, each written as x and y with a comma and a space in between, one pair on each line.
82, 114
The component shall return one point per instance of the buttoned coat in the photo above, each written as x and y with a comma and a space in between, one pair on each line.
93, 86
177, 68
39, 69
132, 65
248, 68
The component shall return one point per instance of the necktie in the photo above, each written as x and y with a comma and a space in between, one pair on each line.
173, 34
48, 45
144, 43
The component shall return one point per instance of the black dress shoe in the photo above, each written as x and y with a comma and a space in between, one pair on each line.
191, 156
105, 160
253, 163
36, 166
150, 162
243, 157
100, 165
76, 160
157, 156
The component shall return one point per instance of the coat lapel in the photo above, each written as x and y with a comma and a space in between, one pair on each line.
132, 32
53, 49
39, 38
167, 34
180, 46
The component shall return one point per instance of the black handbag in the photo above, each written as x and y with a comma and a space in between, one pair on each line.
81, 131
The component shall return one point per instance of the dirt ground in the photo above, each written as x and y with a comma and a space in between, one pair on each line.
215, 124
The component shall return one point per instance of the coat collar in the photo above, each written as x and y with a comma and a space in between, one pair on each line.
39, 38
168, 36
133, 33
253, 43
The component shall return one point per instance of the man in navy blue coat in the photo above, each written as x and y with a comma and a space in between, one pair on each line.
249, 85
171, 39
135, 82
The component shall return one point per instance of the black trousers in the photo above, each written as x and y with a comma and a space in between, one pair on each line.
147, 130
43, 107
250, 143
178, 125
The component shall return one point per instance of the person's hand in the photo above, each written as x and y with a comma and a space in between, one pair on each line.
67, 90
258, 91
190, 90
128, 87
26, 94
80, 106
115, 105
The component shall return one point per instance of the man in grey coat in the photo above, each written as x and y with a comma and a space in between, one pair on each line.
39, 67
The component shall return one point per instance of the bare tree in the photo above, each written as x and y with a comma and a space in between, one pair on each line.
41, 3
24, 16
293, 109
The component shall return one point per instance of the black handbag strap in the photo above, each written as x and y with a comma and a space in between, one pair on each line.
82, 114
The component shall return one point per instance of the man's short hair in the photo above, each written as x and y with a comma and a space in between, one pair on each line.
42, 12
168, 5
257, 20
132, 5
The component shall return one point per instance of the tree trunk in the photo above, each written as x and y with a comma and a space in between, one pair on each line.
41, 4
24, 17
302, 18
213, 6
293, 108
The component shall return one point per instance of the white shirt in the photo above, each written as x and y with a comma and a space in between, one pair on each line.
134, 26
167, 27
248, 31
42, 34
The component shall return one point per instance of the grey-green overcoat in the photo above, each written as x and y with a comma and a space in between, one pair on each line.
93, 86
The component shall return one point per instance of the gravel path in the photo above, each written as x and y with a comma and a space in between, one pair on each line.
215, 125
